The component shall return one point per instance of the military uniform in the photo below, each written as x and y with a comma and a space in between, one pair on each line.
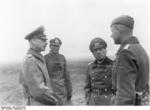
130, 72
60, 79
98, 87
131, 69
34, 76
98, 82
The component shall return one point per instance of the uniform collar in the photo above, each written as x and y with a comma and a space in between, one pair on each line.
36, 54
53, 54
103, 61
130, 40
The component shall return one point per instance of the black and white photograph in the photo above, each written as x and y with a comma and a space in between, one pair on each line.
74, 53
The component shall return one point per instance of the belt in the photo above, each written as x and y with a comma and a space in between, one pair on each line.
101, 92
139, 93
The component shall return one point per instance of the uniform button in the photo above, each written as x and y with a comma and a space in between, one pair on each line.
92, 84
105, 89
93, 78
105, 96
105, 76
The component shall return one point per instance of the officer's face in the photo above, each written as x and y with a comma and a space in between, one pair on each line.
54, 48
40, 44
115, 34
100, 53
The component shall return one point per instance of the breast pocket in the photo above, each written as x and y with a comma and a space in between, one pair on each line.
57, 67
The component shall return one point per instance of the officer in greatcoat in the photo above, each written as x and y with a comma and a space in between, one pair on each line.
34, 76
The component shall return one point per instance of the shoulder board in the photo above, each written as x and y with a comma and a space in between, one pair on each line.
127, 46
29, 56
90, 63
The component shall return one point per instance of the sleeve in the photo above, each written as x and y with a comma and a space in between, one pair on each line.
113, 88
126, 75
87, 81
68, 81
87, 87
35, 83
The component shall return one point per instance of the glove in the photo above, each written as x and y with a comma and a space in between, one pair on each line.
47, 100
87, 97
69, 97
59, 101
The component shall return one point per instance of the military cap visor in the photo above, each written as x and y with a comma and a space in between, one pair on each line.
101, 46
54, 44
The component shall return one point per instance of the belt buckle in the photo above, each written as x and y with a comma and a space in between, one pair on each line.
139, 93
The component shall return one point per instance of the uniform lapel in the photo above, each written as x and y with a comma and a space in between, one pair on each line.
41, 65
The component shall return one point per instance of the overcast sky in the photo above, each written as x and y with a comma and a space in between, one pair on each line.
75, 22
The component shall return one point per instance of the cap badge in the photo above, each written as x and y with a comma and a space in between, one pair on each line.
57, 41
96, 44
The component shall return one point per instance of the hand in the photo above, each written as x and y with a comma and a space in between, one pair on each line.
69, 97
55, 99
112, 100
59, 101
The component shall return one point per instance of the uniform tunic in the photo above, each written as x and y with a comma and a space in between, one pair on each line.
60, 79
130, 72
98, 82
34, 79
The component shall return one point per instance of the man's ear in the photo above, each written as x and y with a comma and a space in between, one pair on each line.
50, 46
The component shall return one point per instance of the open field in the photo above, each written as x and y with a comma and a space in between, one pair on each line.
11, 91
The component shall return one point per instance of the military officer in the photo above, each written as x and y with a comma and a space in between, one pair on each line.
131, 69
34, 77
57, 69
98, 87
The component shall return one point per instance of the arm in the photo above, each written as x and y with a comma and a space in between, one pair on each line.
87, 87
126, 76
68, 81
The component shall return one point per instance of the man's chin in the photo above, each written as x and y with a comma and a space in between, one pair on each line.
55, 52
43, 49
116, 42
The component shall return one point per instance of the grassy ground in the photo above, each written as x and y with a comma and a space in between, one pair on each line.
11, 91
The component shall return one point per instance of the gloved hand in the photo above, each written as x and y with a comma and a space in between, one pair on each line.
47, 100
58, 100
69, 97
87, 97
